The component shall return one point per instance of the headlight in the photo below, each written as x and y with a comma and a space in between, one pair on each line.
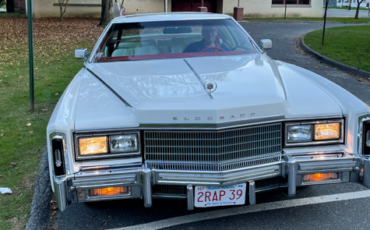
123, 143
93, 145
315, 132
299, 133
107, 145
327, 131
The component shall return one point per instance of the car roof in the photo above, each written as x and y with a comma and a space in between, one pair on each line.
168, 17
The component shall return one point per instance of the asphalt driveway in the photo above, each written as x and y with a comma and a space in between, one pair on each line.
346, 214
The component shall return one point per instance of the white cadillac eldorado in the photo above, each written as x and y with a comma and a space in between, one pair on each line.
188, 106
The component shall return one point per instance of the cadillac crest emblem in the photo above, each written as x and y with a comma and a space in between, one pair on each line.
210, 86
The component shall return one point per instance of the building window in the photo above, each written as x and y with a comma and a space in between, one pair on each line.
291, 2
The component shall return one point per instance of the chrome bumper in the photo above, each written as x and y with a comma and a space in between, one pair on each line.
350, 168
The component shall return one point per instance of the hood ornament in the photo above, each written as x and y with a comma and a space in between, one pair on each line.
210, 86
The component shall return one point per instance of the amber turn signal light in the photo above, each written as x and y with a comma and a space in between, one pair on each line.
327, 131
320, 177
110, 191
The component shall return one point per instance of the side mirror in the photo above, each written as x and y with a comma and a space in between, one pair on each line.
265, 44
81, 53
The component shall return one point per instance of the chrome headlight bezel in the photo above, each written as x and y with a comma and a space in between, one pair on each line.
340, 140
109, 154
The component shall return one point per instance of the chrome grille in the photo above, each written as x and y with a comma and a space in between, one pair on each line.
213, 150
169, 189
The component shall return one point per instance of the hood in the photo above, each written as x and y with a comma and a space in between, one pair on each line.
172, 90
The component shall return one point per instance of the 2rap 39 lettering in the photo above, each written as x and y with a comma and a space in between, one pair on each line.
218, 195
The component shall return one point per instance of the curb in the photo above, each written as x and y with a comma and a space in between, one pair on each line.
40, 208
331, 62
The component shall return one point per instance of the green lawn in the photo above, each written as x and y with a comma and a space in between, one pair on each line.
345, 8
342, 20
23, 132
349, 45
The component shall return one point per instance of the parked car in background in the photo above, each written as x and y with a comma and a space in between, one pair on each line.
188, 106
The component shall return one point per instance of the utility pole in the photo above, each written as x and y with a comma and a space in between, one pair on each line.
285, 9
323, 31
30, 53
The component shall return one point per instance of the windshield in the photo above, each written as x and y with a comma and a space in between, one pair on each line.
174, 39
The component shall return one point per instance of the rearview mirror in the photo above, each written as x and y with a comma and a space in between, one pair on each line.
81, 53
265, 44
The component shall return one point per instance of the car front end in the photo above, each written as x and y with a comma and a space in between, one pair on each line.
213, 129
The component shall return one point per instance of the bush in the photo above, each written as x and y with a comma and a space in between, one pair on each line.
2, 3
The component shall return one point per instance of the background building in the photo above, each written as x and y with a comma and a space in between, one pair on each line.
364, 4
252, 8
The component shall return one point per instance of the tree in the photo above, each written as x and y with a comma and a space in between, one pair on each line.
349, 4
63, 7
358, 8
2, 3
106, 12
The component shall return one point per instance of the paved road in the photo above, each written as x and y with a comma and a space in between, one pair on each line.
334, 13
346, 214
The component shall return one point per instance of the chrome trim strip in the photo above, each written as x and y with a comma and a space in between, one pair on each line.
360, 138
110, 88
112, 166
216, 172
96, 186
313, 142
101, 198
176, 178
169, 196
147, 187
252, 192
366, 173
323, 182
226, 125
190, 196
344, 165
61, 192
292, 176
197, 75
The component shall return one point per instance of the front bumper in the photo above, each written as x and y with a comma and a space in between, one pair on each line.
350, 168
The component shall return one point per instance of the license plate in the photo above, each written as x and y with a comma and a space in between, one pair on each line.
209, 196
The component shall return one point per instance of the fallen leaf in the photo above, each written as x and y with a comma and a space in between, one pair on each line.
57, 94
54, 208
31, 131
12, 165
3, 134
54, 213
28, 124
1, 176
44, 109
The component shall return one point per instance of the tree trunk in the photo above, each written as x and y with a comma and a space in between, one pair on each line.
106, 8
61, 13
358, 8
349, 4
